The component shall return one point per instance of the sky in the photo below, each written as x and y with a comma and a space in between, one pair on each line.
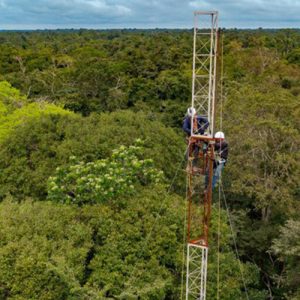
106, 14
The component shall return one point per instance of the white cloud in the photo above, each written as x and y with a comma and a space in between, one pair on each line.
102, 7
148, 13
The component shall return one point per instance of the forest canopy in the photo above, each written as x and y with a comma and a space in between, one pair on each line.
77, 106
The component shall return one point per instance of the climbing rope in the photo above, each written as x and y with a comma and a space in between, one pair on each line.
184, 242
219, 234
234, 241
220, 179
221, 191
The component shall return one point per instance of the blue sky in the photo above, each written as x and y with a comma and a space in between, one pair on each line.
41, 14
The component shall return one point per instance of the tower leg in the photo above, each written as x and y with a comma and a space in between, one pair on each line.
196, 272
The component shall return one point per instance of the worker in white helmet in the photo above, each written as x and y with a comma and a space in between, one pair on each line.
200, 123
197, 124
221, 154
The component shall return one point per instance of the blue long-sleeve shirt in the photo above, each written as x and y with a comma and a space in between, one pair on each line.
202, 125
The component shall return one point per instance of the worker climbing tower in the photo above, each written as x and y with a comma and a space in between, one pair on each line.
201, 152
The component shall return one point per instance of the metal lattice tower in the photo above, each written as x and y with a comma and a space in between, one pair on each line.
200, 182
205, 65
196, 280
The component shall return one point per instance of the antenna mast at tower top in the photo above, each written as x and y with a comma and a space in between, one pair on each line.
205, 65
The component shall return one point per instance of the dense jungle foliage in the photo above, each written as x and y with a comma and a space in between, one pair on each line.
92, 182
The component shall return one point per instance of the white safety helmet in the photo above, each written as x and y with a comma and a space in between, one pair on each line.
191, 111
220, 135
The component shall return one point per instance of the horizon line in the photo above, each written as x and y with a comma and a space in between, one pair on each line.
143, 28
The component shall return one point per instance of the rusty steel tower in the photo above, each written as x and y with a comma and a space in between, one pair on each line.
201, 152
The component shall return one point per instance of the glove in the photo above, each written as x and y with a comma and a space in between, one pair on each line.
221, 161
